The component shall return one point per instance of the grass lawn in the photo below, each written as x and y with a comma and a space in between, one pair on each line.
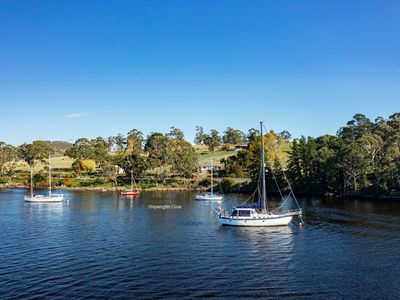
61, 162
205, 155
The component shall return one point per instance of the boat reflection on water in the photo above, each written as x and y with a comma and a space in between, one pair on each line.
276, 236
51, 210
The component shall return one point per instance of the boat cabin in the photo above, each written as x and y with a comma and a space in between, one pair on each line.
244, 213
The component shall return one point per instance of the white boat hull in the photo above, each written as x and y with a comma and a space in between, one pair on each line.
272, 220
209, 198
42, 198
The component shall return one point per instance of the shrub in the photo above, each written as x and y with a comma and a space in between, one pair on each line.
227, 185
84, 165
205, 182
227, 147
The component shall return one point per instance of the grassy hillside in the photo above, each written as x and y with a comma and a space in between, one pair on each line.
61, 162
205, 156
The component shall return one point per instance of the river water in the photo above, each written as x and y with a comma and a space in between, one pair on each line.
166, 245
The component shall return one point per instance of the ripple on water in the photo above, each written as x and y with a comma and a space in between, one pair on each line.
101, 245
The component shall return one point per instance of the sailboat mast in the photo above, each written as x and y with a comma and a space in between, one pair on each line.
49, 177
212, 188
31, 181
131, 180
263, 188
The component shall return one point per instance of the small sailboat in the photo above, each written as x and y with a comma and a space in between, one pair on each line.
257, 214
210, 196
132, 192
44, 198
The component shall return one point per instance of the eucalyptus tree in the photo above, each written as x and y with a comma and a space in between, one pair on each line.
213, 140
158, 149
176, 134
233, 136
81, 149
100, 150
183, 158
130, 154
8, 158
252, 134
199, 137
285, 135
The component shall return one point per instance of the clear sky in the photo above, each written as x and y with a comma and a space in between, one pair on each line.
71, 69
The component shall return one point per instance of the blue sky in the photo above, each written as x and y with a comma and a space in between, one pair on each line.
71, 69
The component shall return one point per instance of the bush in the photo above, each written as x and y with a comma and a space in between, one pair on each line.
227, 185
40, 179
205, 182
84, 165
227, 147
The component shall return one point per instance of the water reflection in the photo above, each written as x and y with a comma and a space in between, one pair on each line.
46, 209
105, 245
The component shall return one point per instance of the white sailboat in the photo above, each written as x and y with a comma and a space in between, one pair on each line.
210, 196
44, 198
258, 214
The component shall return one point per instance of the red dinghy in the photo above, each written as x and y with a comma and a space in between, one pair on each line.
130, 193
134, 193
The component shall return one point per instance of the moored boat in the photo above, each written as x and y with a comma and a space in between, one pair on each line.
132, 192
44, 198
257, 214
210, 196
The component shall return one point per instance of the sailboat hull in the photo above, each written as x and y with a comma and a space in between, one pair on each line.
133, 193
256, 222
209, 197
42, 198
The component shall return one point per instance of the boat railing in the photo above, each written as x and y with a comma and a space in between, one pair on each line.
294, 212
225, 214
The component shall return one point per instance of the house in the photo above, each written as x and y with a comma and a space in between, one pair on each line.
207, 168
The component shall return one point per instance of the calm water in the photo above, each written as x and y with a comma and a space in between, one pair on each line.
102, 245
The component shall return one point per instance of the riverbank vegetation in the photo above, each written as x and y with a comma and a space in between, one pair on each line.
362, 159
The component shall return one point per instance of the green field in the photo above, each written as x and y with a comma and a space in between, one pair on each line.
205, 156
61, 162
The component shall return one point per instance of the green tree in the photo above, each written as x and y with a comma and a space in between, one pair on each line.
199, 137
184, 158
233, 136
252, 134
132, 157
285, 135
157, 148
83, 165
118, 143
237, 165
176, 134
81, 149
134, 141
100, 151
213, 140
110, 172
8, 159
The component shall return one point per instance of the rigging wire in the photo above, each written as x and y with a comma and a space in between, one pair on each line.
286, 179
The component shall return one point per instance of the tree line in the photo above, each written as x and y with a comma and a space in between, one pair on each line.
230, 136
363, 158
135, 154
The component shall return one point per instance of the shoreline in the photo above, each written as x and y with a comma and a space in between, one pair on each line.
109, 189
194, 189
